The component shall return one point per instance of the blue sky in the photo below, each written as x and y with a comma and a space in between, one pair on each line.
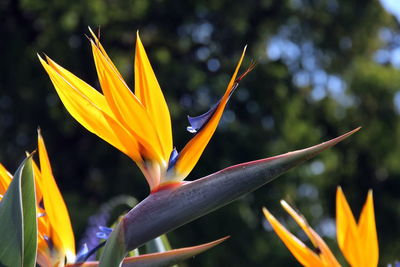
392, 6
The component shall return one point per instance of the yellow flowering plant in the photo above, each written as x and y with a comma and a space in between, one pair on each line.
55, 237
357, 241
138, 124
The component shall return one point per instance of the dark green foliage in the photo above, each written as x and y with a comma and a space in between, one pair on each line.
275, 109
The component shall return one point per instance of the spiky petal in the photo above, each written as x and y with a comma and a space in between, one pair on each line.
300, 251
358, 242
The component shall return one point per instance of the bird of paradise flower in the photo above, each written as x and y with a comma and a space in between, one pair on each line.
55, 237
138, 124
357, 241
56, 243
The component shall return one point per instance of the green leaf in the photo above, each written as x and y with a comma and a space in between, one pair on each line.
162, 259
29, 214
167, 209
116, 248
18, 222
158, 244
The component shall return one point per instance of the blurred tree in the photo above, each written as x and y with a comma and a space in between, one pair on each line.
325, 67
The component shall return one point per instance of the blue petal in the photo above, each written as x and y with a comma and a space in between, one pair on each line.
95, 221
197, 122
172, 158
101, 235
85, 254
82, 253
89, 237
104, 232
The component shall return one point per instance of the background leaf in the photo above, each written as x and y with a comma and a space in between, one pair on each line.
18, 227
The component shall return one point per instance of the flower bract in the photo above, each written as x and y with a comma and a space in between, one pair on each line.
357, 241
137, 123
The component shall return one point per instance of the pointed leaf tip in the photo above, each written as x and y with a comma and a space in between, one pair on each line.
168, 258
310, 152
165, 210
160, 259
294, 157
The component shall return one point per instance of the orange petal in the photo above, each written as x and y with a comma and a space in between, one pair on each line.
5, 179
302, 253
43, 230
325, 253
346, 230
103, 51
127, 108
367, 234
300, 220
90, 109
191, 153
150, 95
82, 87
56, 210
38, 184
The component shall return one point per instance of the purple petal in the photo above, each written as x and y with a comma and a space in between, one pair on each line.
172, 158
104, 232
90, 238
197, 122
82, 253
